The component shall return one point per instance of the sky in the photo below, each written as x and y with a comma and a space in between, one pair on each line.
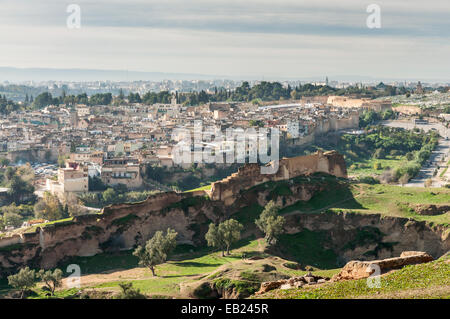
228, 38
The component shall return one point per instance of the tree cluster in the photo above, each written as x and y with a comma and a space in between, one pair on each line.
26, 279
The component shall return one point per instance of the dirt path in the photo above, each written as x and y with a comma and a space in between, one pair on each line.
115, 275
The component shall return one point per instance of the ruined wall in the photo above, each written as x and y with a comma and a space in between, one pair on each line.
324, 127
334, 124
250, 175
34, 155
119, 227
346, 102
408, 109
124, 226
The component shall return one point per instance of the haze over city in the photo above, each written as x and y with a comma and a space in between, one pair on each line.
229, 39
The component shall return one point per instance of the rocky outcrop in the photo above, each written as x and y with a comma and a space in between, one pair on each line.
353, 270
363, 269
372, 236
295, 282
431, 210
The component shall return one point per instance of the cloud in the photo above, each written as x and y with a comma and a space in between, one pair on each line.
400, 18
254, 37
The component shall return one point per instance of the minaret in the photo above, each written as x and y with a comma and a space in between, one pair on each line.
419, 89
173, 100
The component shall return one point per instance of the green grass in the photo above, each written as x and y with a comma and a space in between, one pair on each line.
182, 269
102, 262
307, 248
248, 215
394, 200
173, 272
389, 200
445, 170
338, 195
187, 262
65, 294
204, 188
412, 281
366, 167
59, 221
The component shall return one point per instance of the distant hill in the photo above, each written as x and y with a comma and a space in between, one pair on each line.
12, 74
46, 74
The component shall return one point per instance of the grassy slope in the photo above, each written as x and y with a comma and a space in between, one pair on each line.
191, 266
307, 248
431, 280
204, 188
387, 200
187, 265
368, 165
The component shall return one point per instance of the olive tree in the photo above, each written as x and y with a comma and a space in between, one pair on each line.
214, 238
52, 280
270, 223
156, 250
224, 235
25, 279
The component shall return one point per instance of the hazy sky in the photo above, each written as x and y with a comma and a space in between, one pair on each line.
283, 38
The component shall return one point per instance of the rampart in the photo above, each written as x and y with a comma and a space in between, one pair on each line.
250, 175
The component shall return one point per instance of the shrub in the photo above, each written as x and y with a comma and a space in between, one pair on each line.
379, 153
377, 166
128, 292
368, 180
404, 179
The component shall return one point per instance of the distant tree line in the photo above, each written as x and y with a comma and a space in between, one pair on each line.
264, 91
7, 106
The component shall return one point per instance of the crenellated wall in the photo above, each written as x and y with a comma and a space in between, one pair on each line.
250, 175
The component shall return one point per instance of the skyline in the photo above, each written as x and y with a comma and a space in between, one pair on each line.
230, 39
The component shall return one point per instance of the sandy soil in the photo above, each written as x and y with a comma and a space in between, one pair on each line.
115, 275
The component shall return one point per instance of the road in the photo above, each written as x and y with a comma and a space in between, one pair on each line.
439, 157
